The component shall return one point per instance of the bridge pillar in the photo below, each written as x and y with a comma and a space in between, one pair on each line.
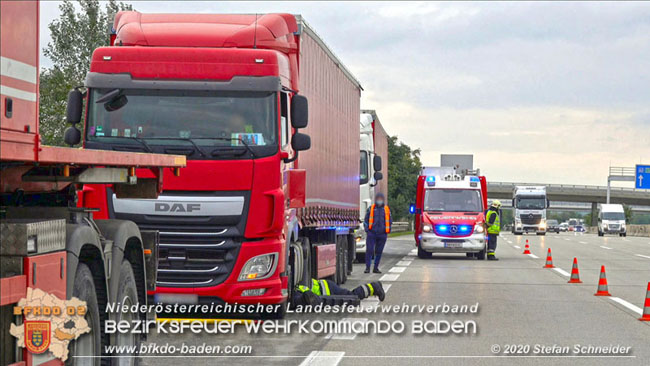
594, 214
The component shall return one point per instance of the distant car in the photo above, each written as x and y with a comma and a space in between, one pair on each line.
564, 227
552, 225
580, 229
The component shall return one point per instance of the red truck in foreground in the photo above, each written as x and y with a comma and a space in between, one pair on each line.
450, 213
49, 243
252, 215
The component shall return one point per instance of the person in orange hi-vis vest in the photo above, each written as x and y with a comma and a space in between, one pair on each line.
377, 225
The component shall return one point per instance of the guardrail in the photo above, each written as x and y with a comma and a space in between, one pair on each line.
400, 226
560, 186
632, 230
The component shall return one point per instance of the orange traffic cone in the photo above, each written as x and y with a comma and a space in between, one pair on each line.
646, 307
602, 284
527, 249
575, 275
549, 260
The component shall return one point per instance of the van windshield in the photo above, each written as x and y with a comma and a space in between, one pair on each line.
613, 216
453, 200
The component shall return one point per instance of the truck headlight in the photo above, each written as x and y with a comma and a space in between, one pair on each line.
479, 228
542, 225
259, 268
426, 228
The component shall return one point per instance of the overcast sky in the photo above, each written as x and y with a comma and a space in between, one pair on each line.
538, 92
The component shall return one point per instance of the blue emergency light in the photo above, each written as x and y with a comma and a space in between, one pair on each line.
431, 181
412, 209
442, 228
464, 229
474, 179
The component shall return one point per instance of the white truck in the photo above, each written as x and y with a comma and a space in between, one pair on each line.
529, 204
611, 220
373, 142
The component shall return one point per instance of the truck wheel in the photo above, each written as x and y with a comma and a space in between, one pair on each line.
127, 294
600, 233
542, 234
352, 249
423, 254
88, 344
307, 263
481, 255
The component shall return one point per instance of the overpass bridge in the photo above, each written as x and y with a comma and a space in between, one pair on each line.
569, 196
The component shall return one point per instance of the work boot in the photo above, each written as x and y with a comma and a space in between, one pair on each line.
492, 257
376, 270
378, 290
310, 298
367, 270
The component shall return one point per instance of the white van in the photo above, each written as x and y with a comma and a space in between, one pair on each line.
611, 220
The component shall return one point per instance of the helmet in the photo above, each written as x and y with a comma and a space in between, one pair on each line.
496, 204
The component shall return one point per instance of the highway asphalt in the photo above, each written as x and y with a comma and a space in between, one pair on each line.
522, 307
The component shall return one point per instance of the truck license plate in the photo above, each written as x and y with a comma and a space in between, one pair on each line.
453, 245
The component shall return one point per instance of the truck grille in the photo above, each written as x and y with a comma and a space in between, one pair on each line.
194, 258
197, 249
613, 226
531, 219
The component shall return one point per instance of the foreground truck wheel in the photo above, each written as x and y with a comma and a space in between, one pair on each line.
423, 254
127, 294
88, 344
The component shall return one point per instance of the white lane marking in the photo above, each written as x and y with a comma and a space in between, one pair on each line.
632, 307
567, 239
386, 287
562, 272
389, 277
413, 251
397, 269
533, 256
412, 254
604, 247
583, 242
404, 263
641, 255
323, 358
408, 259
517, 246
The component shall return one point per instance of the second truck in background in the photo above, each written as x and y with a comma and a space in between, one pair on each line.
529, 204
373, 141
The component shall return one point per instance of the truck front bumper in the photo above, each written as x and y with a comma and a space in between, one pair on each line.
433, 243
530, 228
271, 290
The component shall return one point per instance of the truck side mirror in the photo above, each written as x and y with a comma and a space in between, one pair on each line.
72, 135
299, 111
376, 163
548, 203
75, 103
300, 141
378, 176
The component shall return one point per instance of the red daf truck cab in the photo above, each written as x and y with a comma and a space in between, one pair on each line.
249, 217
450, 213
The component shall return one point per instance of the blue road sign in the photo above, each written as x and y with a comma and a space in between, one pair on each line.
642, 178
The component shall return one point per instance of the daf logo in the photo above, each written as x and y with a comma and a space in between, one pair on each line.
453, 229
177, 207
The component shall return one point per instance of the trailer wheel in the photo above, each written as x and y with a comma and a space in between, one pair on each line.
88, 344
127, 294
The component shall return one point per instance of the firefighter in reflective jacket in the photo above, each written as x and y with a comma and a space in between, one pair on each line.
377, 225
493, 223
312, 295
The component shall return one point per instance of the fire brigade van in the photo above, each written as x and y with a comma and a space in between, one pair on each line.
450, 213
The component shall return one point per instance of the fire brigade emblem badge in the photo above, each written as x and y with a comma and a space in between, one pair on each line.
37, 336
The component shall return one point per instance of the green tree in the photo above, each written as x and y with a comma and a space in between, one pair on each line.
403, 169
75, 35
629, 214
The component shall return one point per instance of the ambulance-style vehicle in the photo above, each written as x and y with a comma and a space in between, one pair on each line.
450, 212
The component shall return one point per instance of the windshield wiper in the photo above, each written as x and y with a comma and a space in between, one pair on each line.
191, 141
138, 139
216, 151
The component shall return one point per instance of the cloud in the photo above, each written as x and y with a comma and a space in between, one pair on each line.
538, 91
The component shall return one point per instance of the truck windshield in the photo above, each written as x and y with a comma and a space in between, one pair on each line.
531, 203
363, 171
613, 216
453, 200
201, 124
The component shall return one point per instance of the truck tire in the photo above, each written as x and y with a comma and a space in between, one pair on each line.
352, 249
307, 274
600, 233
127, 294
542, 234
423, 254
88, 344
481, 255
361, 257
